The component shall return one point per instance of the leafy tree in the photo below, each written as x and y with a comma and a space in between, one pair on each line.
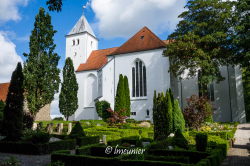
202, 41
127, 96
116, 117
40, 71
197, 111
120, 95
68, 101
54, 5
102, 109
242, 37
13, 111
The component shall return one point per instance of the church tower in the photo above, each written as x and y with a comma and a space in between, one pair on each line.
80, 42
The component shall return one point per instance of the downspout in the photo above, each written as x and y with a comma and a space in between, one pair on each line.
229, 91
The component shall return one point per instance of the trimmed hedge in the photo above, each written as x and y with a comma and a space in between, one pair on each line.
83, 160
194, 156
36, 149
82, 141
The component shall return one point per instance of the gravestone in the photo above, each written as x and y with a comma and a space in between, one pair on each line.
34, 126
69, 128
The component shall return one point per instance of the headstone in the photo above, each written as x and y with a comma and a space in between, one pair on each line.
60, 129
69, 128
49, 128
145, 124
34, 126
104, 139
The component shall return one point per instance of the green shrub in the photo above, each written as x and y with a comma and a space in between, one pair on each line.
179, 140
36, 137
101, 109
162, 144
40, 137
58, 119
77, 131
162, 116
62, 145
131, 157
130, 120
179, 159
56, 163
82, 141
178, 118
201, 142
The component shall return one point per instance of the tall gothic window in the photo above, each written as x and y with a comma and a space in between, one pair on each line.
139, 79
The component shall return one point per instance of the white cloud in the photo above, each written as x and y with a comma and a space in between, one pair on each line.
8, 58
121, 18
9, 9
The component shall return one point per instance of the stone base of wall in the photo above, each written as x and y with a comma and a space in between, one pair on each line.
43, 114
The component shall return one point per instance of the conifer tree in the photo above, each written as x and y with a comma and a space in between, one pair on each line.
169, 113
178, 118
127, 96
13, 111
40, 71
68, 101
120, 103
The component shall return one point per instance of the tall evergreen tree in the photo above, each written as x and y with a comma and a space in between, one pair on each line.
127, 96
178, 118
202, 41
68, 101
120, 103
40, 70
169, 113
13, 111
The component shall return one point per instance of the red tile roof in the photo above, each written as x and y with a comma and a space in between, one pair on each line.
96, 60
4, 88
141, 41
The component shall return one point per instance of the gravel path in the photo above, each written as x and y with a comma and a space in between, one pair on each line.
239, 155
28, 160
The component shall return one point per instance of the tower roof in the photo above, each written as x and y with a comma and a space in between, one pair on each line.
81, 26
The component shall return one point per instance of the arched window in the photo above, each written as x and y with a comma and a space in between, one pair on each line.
139, 79
74, 42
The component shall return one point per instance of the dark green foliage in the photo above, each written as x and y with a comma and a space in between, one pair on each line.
179, 140
101, 109
28, 120
179, 159
162, 116
35, 149
13, 111
68, 100
127, 96
54, 5
201, 142
120, 95
169, 113
178, 118
40, 137
202, 41
77, 131
2, 105
242, 36
83, 141
40, 70
58, 119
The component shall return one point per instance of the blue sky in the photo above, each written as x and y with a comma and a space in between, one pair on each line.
113, 22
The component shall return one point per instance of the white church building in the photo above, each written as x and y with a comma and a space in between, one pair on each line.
141, 60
